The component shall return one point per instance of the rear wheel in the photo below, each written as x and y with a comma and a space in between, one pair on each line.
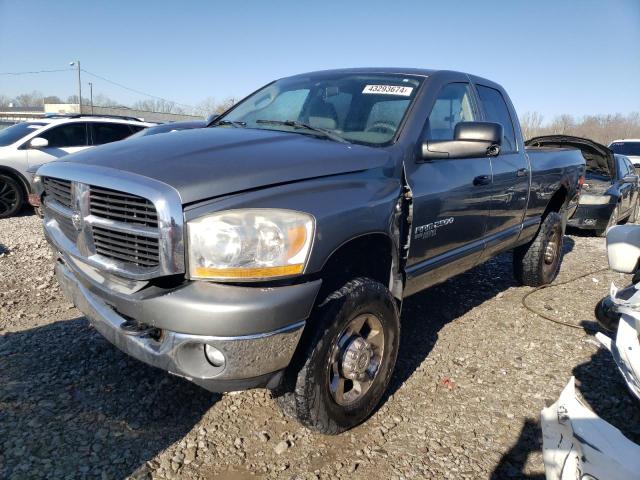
538, 262
11, 196
348, 361
613, 220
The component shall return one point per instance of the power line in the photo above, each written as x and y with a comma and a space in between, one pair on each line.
37, 71
138, 91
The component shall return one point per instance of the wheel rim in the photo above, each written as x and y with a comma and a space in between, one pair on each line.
355, 360
8, 197
552, 251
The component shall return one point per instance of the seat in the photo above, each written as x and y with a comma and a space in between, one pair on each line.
322, 115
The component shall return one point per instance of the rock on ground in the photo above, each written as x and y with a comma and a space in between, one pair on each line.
475, 369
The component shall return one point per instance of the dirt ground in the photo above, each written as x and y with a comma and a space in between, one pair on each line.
475, 369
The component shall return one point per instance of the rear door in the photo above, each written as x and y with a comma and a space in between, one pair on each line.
107, 132
63, 140
450, 197
510, 187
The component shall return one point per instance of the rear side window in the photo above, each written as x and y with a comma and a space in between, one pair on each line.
109, 132
453, 105
495, 109
67, 135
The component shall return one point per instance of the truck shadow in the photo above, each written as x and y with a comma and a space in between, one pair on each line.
601, 386
425, 313
58, 378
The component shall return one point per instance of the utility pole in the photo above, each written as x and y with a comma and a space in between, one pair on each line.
77, 63
91, 96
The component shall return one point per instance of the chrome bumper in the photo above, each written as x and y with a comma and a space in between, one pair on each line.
250, 360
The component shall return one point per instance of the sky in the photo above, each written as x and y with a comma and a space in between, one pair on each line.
553, 56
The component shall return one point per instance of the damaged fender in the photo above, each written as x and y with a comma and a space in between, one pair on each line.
577, 444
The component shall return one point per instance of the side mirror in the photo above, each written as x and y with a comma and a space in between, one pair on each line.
630, 179
39, 142
470, 139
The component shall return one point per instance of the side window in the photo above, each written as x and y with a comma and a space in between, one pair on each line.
452, 106
109, 132
496, 111
67, 135
136, 128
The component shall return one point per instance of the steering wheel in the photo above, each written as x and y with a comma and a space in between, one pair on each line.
382, 127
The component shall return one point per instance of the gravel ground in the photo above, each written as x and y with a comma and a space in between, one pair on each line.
475, 369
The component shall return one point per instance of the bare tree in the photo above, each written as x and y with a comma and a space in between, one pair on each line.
51, 99
33, 99
158, 105
531, 124
600, 128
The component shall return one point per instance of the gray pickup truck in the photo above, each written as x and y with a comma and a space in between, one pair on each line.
274, 248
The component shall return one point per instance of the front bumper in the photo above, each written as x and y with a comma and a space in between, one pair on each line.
591, 216
251, 359
577, 444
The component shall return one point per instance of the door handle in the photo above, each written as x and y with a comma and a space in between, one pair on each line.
482, 180
522, 172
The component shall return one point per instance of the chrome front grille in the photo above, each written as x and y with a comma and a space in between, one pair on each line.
122, 207
120, 228
136, 249
59, 190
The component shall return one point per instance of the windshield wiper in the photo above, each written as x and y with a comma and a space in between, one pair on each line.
300, 125
233, 123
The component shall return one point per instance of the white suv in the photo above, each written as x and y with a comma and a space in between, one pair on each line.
629, 147
29, 144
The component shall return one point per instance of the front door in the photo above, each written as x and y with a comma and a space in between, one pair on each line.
450, 198
63, 140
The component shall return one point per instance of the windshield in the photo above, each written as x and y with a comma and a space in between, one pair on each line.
626, 148
358, 108
16, 132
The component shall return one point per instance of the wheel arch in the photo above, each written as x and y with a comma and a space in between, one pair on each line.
4, 170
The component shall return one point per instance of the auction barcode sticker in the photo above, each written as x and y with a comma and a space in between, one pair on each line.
388, 90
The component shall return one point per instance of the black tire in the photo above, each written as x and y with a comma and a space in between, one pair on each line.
614, 218
307, 392
538, 262
11, 196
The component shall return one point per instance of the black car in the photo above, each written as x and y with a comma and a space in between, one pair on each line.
610, 192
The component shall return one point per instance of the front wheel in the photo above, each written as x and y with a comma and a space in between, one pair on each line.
634, 213
348, 359
613, 221
538, 262
11, 196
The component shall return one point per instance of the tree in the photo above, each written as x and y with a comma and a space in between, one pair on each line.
33, 99
52, 99
531, 124
158, 105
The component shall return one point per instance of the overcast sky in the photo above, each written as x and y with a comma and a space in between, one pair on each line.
552, 56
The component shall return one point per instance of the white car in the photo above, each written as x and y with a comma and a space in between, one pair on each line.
32, 143
629, 147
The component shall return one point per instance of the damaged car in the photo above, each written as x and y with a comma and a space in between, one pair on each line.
620, 312
610, 192
577, 444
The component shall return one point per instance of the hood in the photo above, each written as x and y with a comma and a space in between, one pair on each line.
599, 159
210, 162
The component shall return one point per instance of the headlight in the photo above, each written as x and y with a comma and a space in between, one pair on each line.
249, 244
587, 199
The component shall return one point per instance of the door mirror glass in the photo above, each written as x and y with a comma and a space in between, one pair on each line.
470, 139
39, 142
630, 179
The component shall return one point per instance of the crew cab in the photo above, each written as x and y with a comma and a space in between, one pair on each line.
27, 145
275, 247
